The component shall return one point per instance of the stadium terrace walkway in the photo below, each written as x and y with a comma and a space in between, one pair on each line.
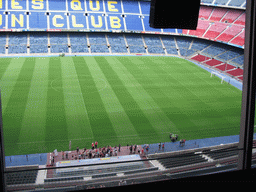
44, 158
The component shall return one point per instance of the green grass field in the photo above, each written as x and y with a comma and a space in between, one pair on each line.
48, 101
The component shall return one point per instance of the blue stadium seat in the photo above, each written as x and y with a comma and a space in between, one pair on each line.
131, 7
38, 43
146, 24
59, 42
216, 49
236, 3
133, 23
99, 48
17, 43
239, 60
220, 2
135, 43
154, 44
2, 44
78, 43
117, 43
145, 7
97, 38
137, 49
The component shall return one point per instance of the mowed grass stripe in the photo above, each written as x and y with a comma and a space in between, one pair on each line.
168, 104
200, 115
79, 128
4, 63
152, 111
9, 79
14, 113
99, 120
32, 135
132, 109
56, 134
124, 129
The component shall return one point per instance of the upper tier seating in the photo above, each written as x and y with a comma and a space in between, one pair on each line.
228, 3
220, 24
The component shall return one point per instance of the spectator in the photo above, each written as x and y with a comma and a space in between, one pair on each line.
131, 149
62, 153
66, 154
52, 160
182, 142
122, 182
147, 148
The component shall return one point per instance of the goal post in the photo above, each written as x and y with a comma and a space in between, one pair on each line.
213, 73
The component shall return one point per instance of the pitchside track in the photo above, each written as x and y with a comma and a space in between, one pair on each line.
49, 101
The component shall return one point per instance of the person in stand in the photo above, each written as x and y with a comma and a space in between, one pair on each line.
119, 147
66, 154
131, 149
182, 142
147, 148
52, 160
62, 153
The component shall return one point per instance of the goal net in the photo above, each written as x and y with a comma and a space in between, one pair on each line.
213, 73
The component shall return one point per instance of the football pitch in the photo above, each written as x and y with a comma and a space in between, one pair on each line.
49, 101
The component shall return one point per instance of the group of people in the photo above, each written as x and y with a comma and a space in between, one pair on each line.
96, 152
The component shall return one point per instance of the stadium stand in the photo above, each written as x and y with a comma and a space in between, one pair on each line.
2, 44
78, 42
154, 44
117, 43
98, 43
23, 177
58, 42
135, 43
38, 42
226, 3
17, 43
